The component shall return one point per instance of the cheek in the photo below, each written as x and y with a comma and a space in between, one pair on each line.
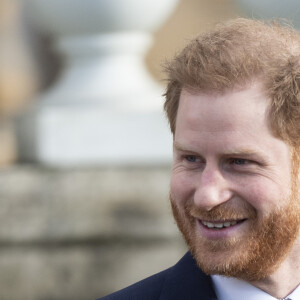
182, 187
263, 196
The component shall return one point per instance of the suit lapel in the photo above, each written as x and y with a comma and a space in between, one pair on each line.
186, 281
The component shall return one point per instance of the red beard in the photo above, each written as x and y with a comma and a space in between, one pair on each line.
251, 257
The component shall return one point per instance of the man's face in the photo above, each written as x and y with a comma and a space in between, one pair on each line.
232, 190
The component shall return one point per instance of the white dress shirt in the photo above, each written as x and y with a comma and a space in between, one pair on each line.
233, 289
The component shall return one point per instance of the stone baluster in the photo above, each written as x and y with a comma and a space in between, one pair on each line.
18, 79
104, 108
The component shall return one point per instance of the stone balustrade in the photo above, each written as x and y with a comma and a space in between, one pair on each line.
64, 234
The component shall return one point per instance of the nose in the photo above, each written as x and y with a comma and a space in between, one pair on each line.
212, 189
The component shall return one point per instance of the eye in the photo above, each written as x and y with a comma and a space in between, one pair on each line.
242, 162
191, 158
239, 161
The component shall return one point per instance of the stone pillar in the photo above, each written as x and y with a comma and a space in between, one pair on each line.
17, 75
104, 108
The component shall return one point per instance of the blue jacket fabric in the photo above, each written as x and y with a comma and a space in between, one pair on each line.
184, 281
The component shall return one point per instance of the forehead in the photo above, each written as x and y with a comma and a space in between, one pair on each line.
215, 111
214, 124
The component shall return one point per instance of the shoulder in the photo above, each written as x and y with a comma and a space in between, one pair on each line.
182, 281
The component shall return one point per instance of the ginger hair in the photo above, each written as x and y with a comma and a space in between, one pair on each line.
235, 54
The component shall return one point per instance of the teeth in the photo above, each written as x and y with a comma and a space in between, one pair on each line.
209, 225
218, 225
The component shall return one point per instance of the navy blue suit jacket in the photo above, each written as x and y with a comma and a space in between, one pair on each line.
184, 281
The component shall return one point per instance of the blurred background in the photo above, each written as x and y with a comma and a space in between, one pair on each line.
85, 150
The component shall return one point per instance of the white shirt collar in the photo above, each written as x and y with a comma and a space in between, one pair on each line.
228, 288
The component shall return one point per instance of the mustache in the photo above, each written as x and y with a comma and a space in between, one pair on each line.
224, 211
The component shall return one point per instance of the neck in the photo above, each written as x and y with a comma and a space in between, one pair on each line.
286, 278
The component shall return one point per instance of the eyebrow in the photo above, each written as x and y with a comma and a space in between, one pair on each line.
245, 152
177, 146
181, 148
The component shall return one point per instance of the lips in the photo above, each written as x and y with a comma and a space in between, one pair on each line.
219, 225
